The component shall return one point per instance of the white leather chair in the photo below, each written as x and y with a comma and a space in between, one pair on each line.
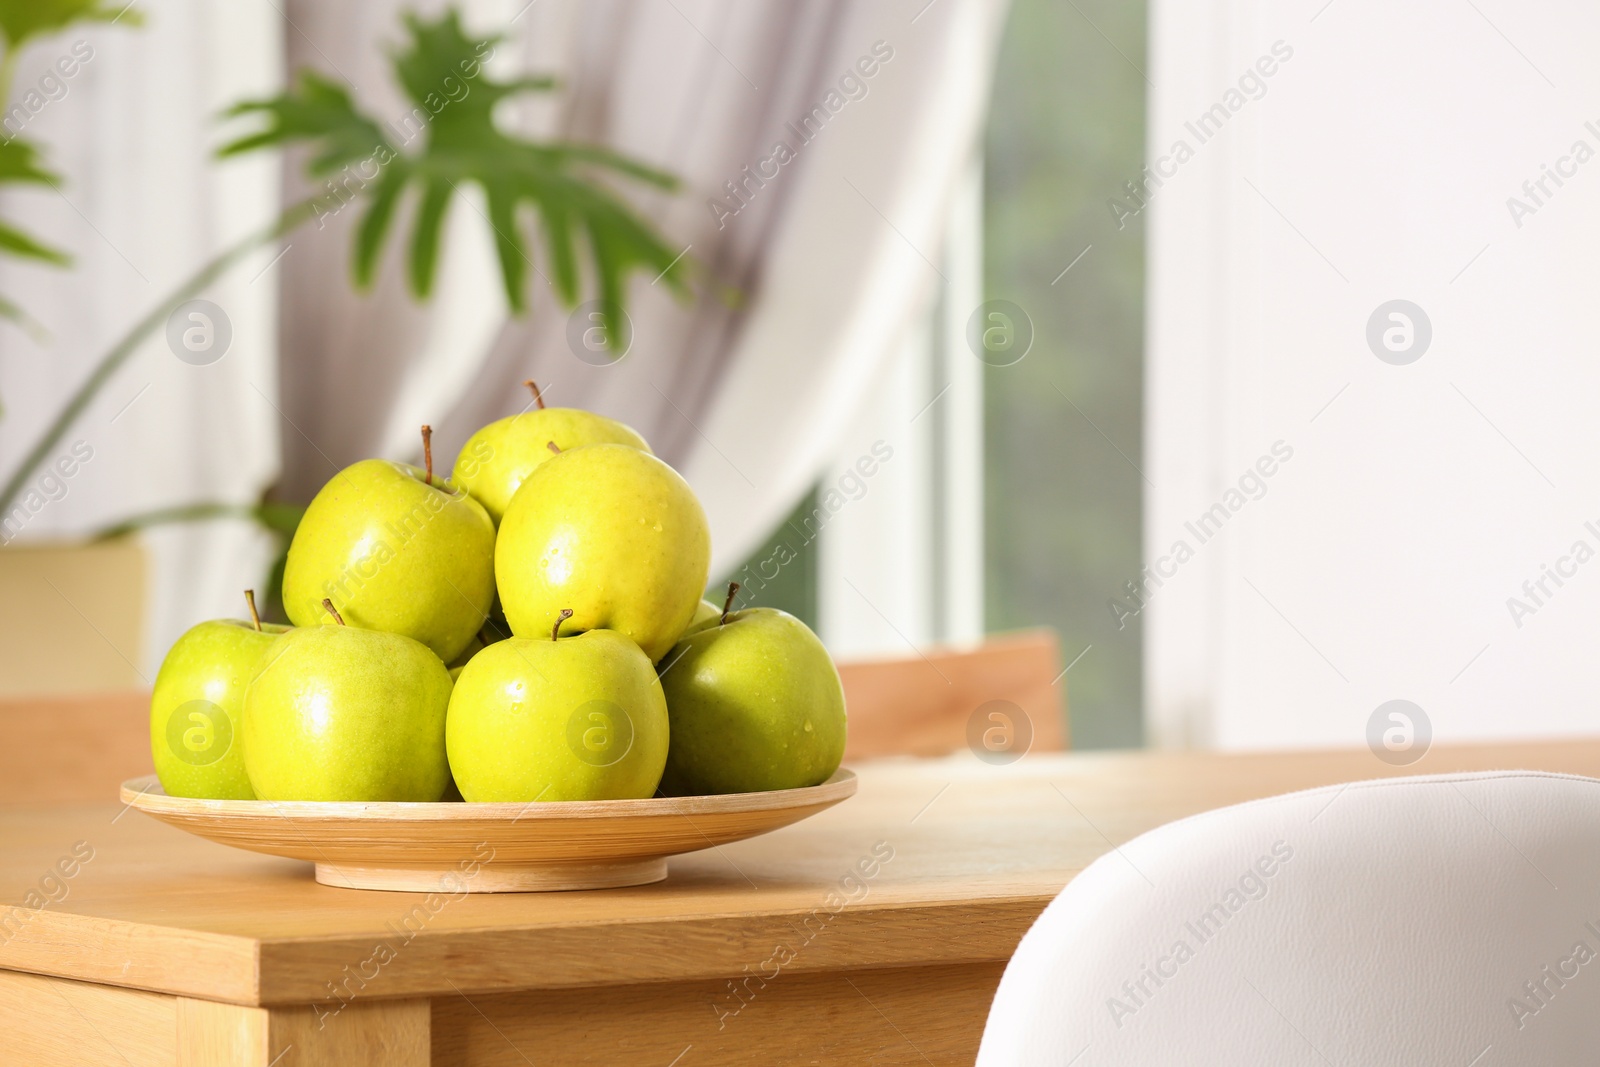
1451, 920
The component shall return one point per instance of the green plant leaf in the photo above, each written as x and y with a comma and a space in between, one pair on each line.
23, 20
20, 244
425, 234
282, 519
19, 162
441, 71
320, 110
272, 609
19, 165
12, 312
279, 519
375, 224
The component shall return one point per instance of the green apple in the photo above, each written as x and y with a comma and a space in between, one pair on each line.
457, 665
611, 533
706, 615
197, 705
396, 550
568, 718
755, 704
497, 459
487, 635
344, 713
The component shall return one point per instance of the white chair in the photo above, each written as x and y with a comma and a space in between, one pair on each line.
1450, 920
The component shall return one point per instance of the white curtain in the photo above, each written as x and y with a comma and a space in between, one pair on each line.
832, 251
142, 206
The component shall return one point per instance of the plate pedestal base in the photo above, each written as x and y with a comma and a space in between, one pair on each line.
430, 848
496, 878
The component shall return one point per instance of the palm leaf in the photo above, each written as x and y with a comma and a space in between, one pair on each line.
440, 69
20, 244
23, 20
19, 164
281, 519
319, 110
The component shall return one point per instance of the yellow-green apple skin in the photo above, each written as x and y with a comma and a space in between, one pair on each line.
197, 706
497, 459
612, 533
474, 646
394, 553
706, 615
755, 704
579, 718
343, 713
491, 632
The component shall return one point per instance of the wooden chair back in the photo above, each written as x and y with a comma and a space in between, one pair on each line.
75, 618
74, 710
79, 749
952, 698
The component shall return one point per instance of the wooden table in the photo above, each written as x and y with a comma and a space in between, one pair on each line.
873, 933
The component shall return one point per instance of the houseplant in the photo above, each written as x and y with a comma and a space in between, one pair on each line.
361, 163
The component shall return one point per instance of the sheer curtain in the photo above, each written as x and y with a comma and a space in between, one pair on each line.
829, 239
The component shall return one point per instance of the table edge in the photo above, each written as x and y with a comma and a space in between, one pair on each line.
311, 970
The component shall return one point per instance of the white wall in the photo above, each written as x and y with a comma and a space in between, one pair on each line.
1378, 564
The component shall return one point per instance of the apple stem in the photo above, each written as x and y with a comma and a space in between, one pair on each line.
727, 605
427, 450
551, 445
327, 605
555, 631
538, 397
250, 598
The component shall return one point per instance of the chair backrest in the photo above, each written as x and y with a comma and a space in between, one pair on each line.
79, 748
74, 619
1449, 919
935, 703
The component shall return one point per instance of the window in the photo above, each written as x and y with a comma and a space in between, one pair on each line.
1064, 241
1012, 495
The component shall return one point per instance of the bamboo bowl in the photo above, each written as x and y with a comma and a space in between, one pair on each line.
487, 848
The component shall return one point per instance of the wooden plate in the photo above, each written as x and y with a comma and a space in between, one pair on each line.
487, 848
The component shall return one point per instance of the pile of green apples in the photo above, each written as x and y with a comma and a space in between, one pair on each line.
531, 628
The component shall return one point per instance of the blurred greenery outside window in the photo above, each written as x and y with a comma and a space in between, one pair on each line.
791, 586
1063, 427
